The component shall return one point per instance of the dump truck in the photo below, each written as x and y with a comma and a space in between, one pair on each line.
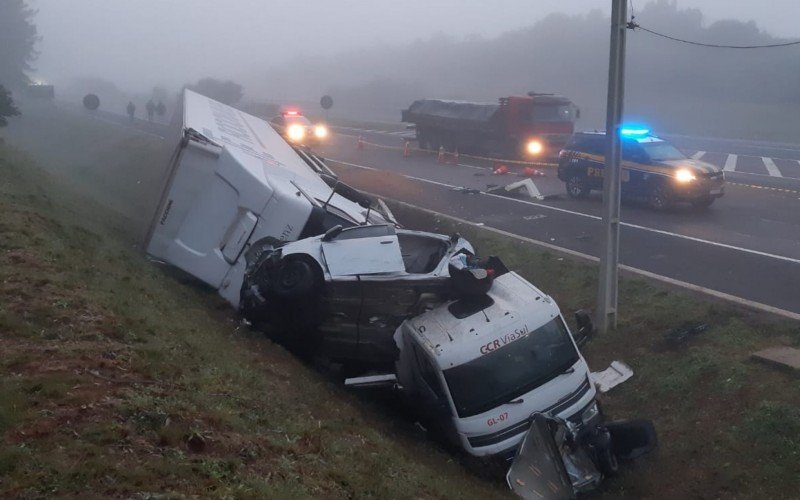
535, 126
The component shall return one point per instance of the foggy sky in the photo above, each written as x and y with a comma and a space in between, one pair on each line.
141, 43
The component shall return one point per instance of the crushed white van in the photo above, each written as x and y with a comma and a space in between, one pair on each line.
233, 179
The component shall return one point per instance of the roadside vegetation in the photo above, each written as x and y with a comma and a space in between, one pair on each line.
120, 377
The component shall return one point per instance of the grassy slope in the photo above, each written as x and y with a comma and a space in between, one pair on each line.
117, 379
727, 426
87, 322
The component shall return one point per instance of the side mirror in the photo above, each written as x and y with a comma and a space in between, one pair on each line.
332, 233
585, 327
577, 113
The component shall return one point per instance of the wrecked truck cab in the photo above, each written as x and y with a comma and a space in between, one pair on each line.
486, 364
233, 180
350, 288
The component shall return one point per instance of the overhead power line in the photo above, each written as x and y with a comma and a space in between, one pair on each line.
632, 25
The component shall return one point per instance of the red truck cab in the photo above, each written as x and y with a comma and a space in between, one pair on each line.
539, 124
531, 127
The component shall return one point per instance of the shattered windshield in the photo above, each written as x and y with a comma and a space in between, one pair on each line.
511, 370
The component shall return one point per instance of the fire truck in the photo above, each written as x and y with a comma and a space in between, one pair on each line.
534, 126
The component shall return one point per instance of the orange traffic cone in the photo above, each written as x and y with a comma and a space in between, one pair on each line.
500, 170
441, 158
455, 157
360, 143
406, 150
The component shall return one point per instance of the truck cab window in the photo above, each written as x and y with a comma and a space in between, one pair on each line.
428, 374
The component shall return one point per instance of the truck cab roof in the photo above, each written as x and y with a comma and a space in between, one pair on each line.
461, 331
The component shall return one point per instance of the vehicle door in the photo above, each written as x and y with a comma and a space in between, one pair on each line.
593, 158
427, 387
361, 261
635, 168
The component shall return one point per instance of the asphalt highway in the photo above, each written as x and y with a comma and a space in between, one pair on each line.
746, 245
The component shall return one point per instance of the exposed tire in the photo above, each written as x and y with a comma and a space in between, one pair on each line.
703, 203
577, 187
294, 278
659, 199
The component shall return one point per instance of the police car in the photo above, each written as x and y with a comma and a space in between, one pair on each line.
653, 170
297, 129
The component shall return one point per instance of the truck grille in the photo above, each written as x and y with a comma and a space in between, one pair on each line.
509, 432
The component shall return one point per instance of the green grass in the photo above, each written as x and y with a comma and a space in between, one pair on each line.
119, 379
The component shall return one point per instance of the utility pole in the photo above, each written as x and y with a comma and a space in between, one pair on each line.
609, 257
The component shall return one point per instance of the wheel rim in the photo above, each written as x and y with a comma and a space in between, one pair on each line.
574, 186
659, 200
289, 277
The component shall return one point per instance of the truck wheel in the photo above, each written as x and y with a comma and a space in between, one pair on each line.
295, 278
660, 199
577, 187
702, 203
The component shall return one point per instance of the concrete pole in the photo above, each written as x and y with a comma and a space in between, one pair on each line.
609, 255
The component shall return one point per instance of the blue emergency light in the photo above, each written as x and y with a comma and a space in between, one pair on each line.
634, 131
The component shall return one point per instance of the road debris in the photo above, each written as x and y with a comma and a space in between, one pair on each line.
617, 373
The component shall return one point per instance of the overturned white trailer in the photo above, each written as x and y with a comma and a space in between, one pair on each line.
232, 180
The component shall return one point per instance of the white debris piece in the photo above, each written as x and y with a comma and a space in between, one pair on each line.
612, 376
526, 186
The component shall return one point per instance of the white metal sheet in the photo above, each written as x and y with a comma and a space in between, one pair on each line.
376, 255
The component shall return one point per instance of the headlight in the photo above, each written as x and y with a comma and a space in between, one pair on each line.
590, 413
684, 175
296, 132
321, 131
534, 147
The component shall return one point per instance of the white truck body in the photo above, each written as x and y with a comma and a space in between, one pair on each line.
234, 180
436, 342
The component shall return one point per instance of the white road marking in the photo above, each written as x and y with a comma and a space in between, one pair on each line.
698, 155
730, 163
689, 286
594, 217
472, 166
771, 167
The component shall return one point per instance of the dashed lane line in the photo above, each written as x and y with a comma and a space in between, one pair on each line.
771, 167
730, 163
698, 155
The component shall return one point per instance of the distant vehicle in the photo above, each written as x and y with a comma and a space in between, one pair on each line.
529, 127
233, 180
297, 129
653, 170
41, 91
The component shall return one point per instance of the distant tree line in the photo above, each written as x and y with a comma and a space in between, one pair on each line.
569, 55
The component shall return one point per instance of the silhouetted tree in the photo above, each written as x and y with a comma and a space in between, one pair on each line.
226, 92
17, 42
7, 107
